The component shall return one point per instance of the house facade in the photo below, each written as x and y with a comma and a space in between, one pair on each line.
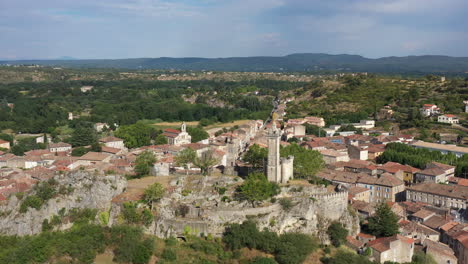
177, 137
429, 110
445, 196
448, 119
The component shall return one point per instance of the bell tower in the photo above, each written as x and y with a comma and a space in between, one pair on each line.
274, 167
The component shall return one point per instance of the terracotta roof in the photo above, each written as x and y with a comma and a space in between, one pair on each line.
94, 156
59, 145
3, 141
463, 182
110, 139
110, 150
411, 227
383, 244
356, 243
423, 214
356, 189
440, 166
446, 227
436, 221
454, 191
367, 236
196, 146
432, 171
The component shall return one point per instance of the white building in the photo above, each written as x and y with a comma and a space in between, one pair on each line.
176, 137
59, 147
448, 119
113, 142
429, 110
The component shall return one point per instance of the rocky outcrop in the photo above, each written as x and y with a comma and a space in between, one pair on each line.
89, 190
208, 210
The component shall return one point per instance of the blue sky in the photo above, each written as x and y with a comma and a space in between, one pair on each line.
109, 29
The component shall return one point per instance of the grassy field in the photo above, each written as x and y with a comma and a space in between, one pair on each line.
163, 125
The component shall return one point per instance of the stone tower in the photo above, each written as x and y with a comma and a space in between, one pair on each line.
183, 127
274, 167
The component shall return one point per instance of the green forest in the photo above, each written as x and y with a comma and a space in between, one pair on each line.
43, 106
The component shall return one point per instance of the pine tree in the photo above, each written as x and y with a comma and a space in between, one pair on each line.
384, 222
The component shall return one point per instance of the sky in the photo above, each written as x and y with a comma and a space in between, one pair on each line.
111, 29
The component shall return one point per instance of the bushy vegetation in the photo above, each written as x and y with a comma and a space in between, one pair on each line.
43, 191
419, 157
81, 244
337, 234
288, 248
257, 188
307, 162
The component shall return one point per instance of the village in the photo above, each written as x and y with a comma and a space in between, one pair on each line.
430, 202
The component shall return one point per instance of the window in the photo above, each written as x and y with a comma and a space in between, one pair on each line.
378, 188
387, 190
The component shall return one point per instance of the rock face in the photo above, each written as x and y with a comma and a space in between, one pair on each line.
89, 191
198, 206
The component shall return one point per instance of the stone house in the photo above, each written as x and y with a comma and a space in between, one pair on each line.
332, 156
396, 248
384, 188
457, 239
316, 121
445, 196
407, 172
441, 253
422, 215
59, 147
374, 151
358, 152
113, 142
177, 137
359, 194
4, 144
162, 166
291, 131
448, 119
92, 158
418, 232
435, 175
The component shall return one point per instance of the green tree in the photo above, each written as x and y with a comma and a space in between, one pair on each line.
206, 161
83, 136
153, 193
136, 135
262, 260
197, 133
384, 222
337, 234
160, 140
257, 188
144, 162
256, 156
185, 157
306, 162
79, 151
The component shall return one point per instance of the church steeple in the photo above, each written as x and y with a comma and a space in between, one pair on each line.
183, 127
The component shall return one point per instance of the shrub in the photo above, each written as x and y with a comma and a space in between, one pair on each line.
286, 204
32, 201
337, 234
169, 255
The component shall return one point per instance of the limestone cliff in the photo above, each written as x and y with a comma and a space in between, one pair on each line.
204, 205
89, 190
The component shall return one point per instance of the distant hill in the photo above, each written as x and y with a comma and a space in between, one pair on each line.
289, 63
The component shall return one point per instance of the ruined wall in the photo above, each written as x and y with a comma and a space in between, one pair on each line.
313, 209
